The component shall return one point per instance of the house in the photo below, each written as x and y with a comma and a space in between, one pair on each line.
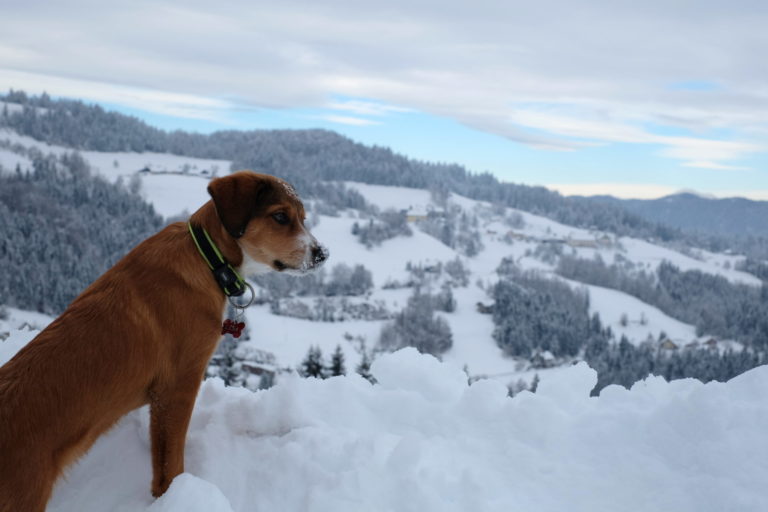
589, 244
711, 343
415, 214
483, 309
420, 212
543, 359
257, 369
514, 235
605, 242
668, 344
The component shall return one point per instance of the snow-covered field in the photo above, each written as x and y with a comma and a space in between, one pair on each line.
423, 440
170, 193
537, 228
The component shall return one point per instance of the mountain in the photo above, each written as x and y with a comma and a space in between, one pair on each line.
694, 213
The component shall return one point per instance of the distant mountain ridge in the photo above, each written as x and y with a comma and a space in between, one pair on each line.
694, 213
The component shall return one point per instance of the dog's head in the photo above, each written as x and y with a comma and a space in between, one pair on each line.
266, 217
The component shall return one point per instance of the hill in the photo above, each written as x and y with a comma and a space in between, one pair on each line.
694, 213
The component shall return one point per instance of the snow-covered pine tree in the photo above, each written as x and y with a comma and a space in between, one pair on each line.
336, 367
312, 365
364, 368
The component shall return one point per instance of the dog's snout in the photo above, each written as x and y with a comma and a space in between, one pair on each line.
319, 254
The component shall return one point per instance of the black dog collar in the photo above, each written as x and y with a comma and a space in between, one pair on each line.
230, 282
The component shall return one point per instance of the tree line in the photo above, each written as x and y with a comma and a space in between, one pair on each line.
533, 314
711, 303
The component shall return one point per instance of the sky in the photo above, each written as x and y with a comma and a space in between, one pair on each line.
634, 99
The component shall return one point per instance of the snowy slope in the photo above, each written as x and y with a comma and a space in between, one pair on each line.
422, 440
473, 346
539, 228
170, 191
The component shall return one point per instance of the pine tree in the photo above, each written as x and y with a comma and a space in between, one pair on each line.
337, 363
312, 365
364, 368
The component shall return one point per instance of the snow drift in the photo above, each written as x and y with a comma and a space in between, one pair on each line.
423, 440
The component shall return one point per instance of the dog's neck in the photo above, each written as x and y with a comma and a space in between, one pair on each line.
207, 218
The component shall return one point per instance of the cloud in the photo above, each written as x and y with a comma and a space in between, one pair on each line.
696, 152
616, 72
354, 121
367, 108
161, 102
703, 164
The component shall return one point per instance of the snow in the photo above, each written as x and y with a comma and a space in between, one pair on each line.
20, 319
422, 439
9, 160
396, 198
611, 304
642, 251
289, 339
173, 194
537, 228
170, 193
386, 261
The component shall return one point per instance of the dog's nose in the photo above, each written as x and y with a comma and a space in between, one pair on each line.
319, 254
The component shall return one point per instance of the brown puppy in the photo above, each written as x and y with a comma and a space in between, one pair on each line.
141, 333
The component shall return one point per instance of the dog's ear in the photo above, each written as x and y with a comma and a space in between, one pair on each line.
237, 198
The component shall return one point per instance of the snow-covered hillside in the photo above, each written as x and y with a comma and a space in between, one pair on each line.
171, 183
473, 347
423, 440
175, 184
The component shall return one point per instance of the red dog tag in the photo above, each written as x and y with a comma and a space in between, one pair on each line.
232, 327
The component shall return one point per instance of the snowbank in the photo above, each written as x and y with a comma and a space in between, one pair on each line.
422, 440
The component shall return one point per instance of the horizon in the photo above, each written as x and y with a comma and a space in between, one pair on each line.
585, 104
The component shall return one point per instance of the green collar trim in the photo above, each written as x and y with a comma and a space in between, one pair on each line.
230, 282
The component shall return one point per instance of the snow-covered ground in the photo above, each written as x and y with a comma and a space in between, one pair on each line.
423, 440
20, 319
642, 320
537, 228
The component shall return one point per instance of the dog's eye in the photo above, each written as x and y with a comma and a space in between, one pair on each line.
281, 218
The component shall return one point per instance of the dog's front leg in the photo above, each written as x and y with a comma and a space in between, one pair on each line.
170, 411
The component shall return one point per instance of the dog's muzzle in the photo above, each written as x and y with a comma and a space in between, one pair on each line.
319, 254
